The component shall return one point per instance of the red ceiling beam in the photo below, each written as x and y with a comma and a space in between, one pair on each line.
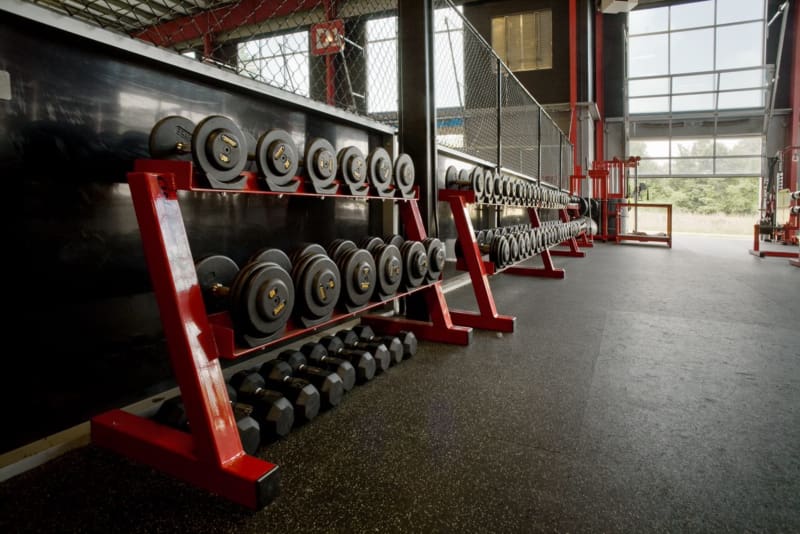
221, 19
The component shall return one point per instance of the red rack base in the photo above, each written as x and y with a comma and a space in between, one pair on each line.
545, 272
497, 322
243, 479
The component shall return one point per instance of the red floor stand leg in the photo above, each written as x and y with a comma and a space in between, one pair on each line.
574, 251
442, 327
549, 270
211, 456
486, 318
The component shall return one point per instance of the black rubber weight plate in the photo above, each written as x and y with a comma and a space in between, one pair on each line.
415, 263
370, 243
352, 166
171, 137
357, 268
450, 177
219, 149
276, 157
305, 250
389, 264
265, 300
338, 247
396, 240
320, 285
436, 257
404, 173
477, 182
320, 162
215, 271
379, 169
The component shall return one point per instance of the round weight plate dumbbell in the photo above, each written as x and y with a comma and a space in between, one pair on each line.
498, 188
379, 171
317, 285
276, 157
261, 298
415, 263
389, 264
508, 188
395, 239
488, 186
320, 164
404, 174
500, 251
476, 177
480, 236
451, 178
514, 244
352, 167
436, 257
370, 243
171, 138
272, 255
357, 268
219, 150
216, 274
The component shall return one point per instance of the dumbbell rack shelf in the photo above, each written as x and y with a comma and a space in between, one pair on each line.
487, 317
212, 456
572, 242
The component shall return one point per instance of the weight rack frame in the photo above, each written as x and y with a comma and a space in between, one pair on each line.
487, 317
212, 457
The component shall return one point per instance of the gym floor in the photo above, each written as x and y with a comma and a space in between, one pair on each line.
651, 390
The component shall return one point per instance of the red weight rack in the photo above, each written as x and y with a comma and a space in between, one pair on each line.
212, 456
487, 317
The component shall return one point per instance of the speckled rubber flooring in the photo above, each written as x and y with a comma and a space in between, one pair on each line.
651, 390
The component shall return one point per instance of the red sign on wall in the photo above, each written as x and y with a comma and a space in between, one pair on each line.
327, 38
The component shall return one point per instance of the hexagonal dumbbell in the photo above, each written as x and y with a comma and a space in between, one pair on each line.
272, 410
305, 398
407, 339
383, 357
292, 364
362, 360
318, 355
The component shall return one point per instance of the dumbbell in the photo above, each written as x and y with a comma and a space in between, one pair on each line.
260, 296
318, 355
362, 360
172, 413
317, 284
464, 179
394, 239
389, 265
273, 411
383, 355
500, 251
277, 160
358, 273
319, 162
379, 172
327, 382
305, 398
404, 175
352, 167
216, 144
408, 340
365, 334
796, 195
415, 263
436, 258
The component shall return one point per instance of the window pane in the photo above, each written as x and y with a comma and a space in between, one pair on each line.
691, 15
693, 102
693, 166
743, 79
741, 100
647, 56
449, 91
650, 148
736, 10
739, 45
648, 105
499, 37
693, 84
648, 20
746, 166
738, 146
692, 147
649, 167
692, 51
385, 28
382, 81
653, 86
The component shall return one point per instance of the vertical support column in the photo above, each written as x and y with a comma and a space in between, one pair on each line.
539, 148
599, 89
499, 114
573, 77
417, 113
794, 89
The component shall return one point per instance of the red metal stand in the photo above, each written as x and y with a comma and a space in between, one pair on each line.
756, 250
549, 270
574, 250
487, 317
211, 456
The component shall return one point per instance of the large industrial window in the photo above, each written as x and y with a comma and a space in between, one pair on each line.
381, 52
696, 157
698, 56
280, 61
524, 41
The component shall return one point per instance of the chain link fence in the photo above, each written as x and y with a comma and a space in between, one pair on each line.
340, 52
473, 120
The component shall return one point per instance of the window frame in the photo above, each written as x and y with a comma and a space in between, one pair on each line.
503, 54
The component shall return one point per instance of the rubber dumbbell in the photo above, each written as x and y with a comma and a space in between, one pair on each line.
327, 382
172, 413
318, 355
408, 340
305, 398
272, 410
380, 351
365, 334
362, 360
